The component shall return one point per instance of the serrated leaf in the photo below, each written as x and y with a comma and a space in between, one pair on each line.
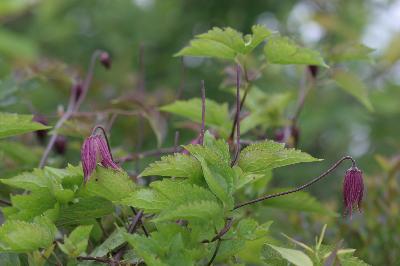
217, 173
171, 244
20, 236
260, 32
84, 211
219, 146
282, 50
290, 202
76, 243
268, 155
31, 181
110, 184
16, 124
217, 115
178, 165
249, 229
200, 210
224, 43
350, 260
353, 85
147, 199
26, 207
176, 199
296, 257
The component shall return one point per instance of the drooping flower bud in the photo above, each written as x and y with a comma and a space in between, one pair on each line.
353, 189
77, 90
105, 60
95, 149
60, 145
313, 70
41, 134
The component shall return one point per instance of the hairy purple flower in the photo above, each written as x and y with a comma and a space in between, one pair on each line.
105, 60
95, 149
353, 189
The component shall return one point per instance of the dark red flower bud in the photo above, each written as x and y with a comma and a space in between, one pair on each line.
313, 70
77, 90
105, 60
94, 149
60, 145
353, 189
41, 134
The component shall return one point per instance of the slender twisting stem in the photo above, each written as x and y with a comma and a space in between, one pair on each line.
203, 112
73, 106
132, 227
246, 91
143, 227
103, 130
215, 253
228, 225
5, 202
333, 167
236, 157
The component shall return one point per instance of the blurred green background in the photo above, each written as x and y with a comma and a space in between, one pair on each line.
45, 46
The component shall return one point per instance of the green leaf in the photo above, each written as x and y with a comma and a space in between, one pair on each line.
282, 50
116, 239
296, 257
32, 181
291, 202
224, 43
217, 115
84, 211
9, 259
176, 199
147, 199
353, 85
249, 229
350, 260
350, 52
76, 243
16, 45
178, 165
200, 210
219, 146
171, 244
26, 207
21, 153
110, 184
20, 236
15, 124
260, 32
268, 155
217, 172
157, 123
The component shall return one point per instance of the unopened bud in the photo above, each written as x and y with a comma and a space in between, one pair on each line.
105, 60
41, 134
60, 145
353, 190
